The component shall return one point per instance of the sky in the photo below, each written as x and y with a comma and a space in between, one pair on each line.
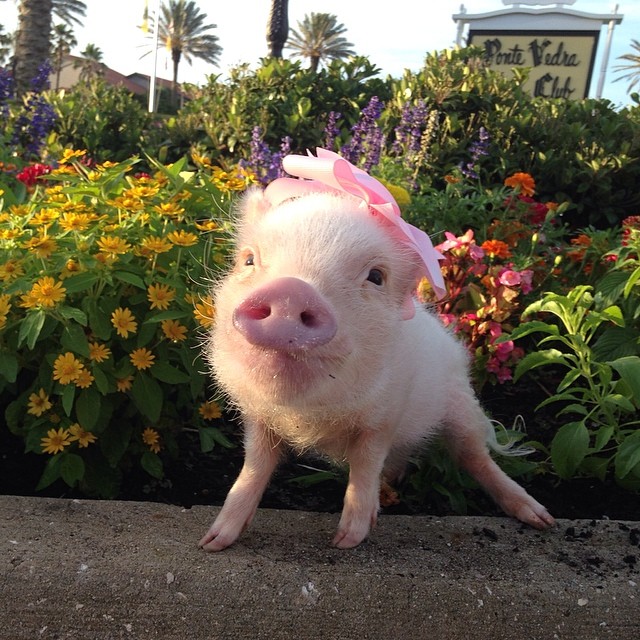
394, 39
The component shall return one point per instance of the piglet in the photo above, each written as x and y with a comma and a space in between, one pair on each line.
321, 344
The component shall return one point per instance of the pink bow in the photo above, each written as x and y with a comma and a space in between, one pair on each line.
329, 171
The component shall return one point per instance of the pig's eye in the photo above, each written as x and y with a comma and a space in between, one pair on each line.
249, 260
376, 276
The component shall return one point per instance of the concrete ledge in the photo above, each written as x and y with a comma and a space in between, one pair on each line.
102, 570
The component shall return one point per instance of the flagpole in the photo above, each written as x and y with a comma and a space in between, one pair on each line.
152, 78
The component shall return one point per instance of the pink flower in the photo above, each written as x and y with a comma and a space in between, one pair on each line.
509, 278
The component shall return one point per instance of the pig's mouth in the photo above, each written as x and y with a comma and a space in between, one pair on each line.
295, 370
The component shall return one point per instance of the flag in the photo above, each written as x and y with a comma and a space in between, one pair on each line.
145, 17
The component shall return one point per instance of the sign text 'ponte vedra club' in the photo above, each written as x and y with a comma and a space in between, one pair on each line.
560, 63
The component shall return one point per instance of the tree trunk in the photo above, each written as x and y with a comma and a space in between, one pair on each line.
175, 57
278, 27
32, 41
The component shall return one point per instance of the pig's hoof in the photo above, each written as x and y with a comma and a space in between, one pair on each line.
216, 540
348, 539
535, 515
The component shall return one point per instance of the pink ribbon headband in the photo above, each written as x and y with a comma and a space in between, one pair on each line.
329, 171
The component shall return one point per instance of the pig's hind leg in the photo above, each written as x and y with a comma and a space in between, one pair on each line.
466, 434
261, 458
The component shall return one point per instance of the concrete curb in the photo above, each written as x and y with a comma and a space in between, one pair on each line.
103, 570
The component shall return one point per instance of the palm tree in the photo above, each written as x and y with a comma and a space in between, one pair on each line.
62, 41
182, 30
6, 44
319, 38
278, 27
91, 65
633, 66
32, 48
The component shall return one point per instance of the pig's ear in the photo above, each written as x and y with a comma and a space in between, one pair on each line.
253, 205
408, 307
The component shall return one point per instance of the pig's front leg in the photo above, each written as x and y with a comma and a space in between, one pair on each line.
261, 458
366, 455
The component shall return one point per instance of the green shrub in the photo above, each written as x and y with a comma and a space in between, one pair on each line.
103, 273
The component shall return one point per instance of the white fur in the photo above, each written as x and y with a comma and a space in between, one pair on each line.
378, 389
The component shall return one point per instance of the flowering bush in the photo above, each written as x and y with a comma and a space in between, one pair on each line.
102, 271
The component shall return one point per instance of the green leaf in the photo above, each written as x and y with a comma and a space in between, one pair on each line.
68, 396
167, 315
51, 473
8, 366
72, 469
628, 456
569, 448
114, 442
88, 408
616, 342
71, 313
31, 327
81, 282
74, 339
99, 320
538, 359
130, 278
101, 380
629, 370
526, 328
147, 396
164, 372
152, 464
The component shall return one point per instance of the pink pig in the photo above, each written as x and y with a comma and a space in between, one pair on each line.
320, 343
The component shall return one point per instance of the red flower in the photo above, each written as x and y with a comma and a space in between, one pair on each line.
29, 175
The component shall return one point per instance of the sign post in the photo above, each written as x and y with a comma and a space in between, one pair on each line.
557, 44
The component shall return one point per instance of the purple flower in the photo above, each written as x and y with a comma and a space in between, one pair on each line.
366, 137
478, 148
332, 130
265, 164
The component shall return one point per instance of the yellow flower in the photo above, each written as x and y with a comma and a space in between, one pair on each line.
112, 245
203, 160
44, 217
71, 268
206, 225
5, 305
141, 191
160, 296
141, 358
71, 221
171, 209
98, 352
127, 203
210, 410
204, 312
28, 300
55, 441
47, 292
173, 330
69, 154
84, 438
523, 182
124, 322
154, 244
39, 403
183, 238
42, 246
11, 270
124, 384
67, 368
152, 439
84, 379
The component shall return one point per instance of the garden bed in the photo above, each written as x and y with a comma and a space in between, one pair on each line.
205, 478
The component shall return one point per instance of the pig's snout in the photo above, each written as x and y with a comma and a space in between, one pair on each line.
287, 314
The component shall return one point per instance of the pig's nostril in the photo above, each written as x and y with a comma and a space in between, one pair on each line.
258, 312
309, 319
